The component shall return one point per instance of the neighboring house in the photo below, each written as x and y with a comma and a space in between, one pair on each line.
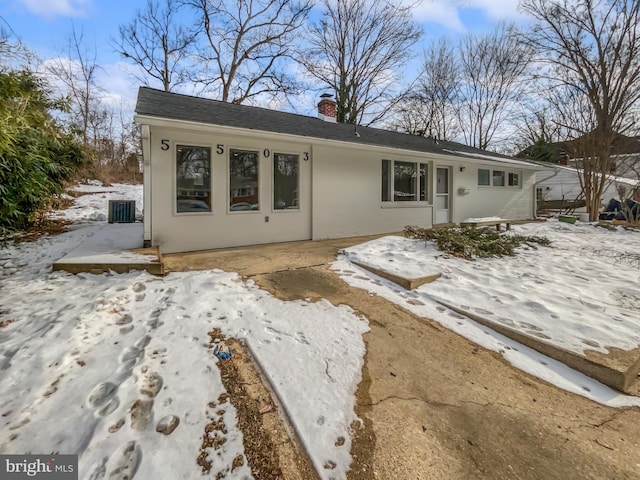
222, 175
561, 183
624, 159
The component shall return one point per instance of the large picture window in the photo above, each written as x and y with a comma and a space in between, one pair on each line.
404, 181
285, 181
243, 180
193, 179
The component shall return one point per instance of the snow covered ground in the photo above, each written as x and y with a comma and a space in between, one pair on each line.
569, 294
96, 364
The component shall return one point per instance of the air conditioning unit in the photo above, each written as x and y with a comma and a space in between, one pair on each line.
122, 211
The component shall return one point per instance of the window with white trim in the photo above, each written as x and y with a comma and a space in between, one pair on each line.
404, 181
193, 179
243, 180
484, 177
498, 178
285, 181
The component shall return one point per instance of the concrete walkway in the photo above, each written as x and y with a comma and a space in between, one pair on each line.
433, 404
112, 246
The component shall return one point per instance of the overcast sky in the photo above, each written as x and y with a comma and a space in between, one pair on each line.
44, 25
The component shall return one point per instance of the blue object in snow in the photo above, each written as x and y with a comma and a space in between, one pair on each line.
223, 352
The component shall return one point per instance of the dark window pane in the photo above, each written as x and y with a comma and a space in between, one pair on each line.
193, 179
483, 177
243, 180
498, 178
386, 179
285, 182
424, 172
404, 181
514, 179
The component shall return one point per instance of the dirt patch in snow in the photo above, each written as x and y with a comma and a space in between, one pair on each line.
271, 448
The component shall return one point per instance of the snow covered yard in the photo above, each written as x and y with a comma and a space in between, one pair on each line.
568, 294
118, 368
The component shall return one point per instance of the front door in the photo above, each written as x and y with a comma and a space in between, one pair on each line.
443, 197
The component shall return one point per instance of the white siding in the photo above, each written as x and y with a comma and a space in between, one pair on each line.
513, 203
340, 192
186, 232
347, 194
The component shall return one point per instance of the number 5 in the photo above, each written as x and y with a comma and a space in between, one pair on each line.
164, 144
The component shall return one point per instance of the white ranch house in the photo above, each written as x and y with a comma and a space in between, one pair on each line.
223, 175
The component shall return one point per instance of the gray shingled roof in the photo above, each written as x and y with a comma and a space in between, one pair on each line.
158, 103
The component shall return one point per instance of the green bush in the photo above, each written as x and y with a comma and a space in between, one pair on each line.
36, 156
470, 243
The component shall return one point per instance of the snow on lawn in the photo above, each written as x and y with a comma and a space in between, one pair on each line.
567, 294
95, 364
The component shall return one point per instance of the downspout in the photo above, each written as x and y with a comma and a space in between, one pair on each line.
535, 195
146, 175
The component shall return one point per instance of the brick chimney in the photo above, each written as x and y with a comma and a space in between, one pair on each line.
327, 108
564, 158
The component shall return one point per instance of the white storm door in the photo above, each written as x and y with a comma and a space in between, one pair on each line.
443, 196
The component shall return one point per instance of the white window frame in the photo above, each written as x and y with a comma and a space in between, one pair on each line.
260, 166
273, 182
175, 146
391, 183
508, 177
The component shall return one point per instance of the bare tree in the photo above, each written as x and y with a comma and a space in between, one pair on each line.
492, 68
77, 69
537, 131
246, 42
358, 49
430, 108
592, 52
156, 43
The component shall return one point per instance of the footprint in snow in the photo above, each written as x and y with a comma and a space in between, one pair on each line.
124, 319
141, 412
151, 384
124, 464
103, 398
300, 338
167, 424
